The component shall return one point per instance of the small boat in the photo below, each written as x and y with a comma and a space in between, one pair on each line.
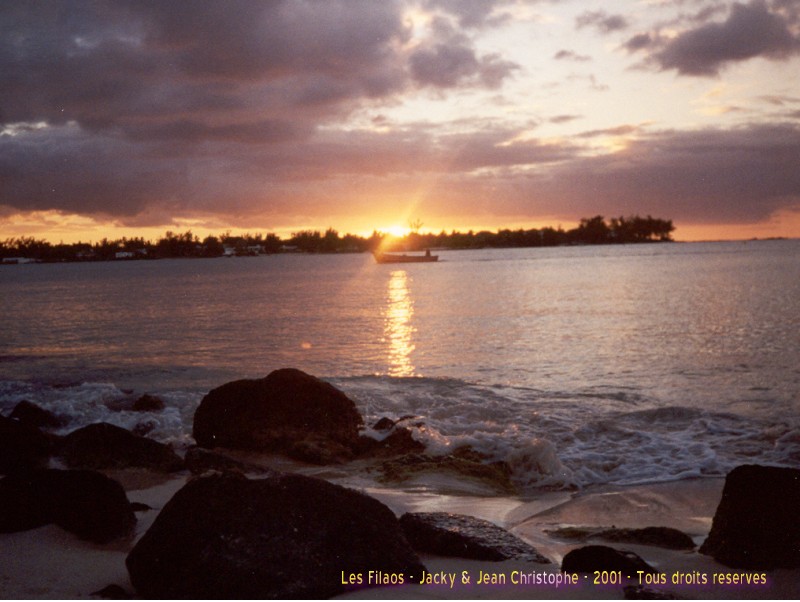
404, 258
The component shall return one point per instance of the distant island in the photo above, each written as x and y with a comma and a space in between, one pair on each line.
591, 231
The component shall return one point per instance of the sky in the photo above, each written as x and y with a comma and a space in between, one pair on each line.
128, 118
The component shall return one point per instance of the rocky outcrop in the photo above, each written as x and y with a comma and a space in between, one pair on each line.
287, 536
22, 446
105, 446
31, 414
496, 475
757, 523
447, 534
662, 537
86, 503
603, 558
288, 409
148, 403
200, 461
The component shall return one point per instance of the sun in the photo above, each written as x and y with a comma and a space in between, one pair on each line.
397, 231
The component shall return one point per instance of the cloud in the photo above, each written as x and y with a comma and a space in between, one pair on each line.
472, 13
751, 30
448, 60
220, 64
569, 55
705, 176
602, 21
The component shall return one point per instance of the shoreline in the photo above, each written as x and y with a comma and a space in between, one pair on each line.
50, 563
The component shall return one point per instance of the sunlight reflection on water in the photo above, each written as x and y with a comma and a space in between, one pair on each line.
397, 325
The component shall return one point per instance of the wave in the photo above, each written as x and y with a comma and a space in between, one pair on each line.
549, 439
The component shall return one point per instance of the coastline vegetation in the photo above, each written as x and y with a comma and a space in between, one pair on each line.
590, 231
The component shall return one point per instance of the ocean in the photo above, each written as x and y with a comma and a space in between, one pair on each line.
579, 366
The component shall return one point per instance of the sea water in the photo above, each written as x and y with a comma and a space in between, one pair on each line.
576, 365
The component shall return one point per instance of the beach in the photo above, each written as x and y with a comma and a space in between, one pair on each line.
50, 563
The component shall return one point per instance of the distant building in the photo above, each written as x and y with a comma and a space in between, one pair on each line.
17, 260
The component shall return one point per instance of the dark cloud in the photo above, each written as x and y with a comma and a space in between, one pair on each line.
601, 21
751, 30
712, 176
640, 41
472, 13
104, 64
448, 60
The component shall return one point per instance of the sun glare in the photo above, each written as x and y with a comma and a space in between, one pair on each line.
398, 231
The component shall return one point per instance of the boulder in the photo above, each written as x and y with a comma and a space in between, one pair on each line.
757, 523
603, 558
86, 503
286, 536
662, 537
463, 536
641, 592
496, 475
31, 414
199, 461
276, 412
105, 446
148, 403
22, 446
399, 441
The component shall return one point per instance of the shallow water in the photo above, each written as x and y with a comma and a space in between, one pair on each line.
578, 365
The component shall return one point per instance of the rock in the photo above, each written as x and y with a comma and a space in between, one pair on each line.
148, 403
112, 592
199, 461
496, 475
103, 446
287, 536
398, 442
603, 558
757, 523
276, 412
22, 447
463, 536
640, 592
32, 415
663, 537
319, 450
86, 503
383, 424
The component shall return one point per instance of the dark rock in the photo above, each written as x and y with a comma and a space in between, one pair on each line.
22, 447
199, 461
640, 592
148, 403
319, 450
463, 536
757, 523
276, 412
663, 537
31, 414
604, 558
287, 536
398, 442
112, 592
104, 446
383, 424
496, 475
142, 428
86, 503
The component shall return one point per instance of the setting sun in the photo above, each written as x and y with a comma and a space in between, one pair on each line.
397, 231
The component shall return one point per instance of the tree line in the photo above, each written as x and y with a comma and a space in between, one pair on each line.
590, 231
